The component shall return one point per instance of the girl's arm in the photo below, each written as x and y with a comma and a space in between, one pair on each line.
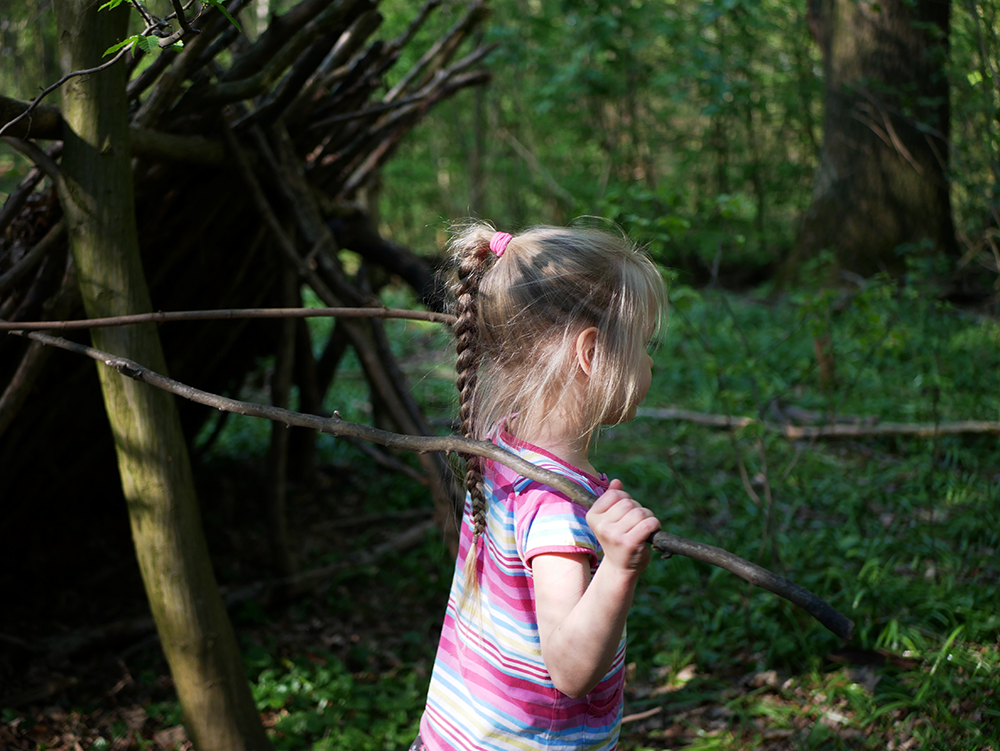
580, 622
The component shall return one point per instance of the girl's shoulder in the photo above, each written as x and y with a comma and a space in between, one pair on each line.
543, 459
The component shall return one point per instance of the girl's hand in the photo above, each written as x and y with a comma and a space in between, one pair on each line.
623, 528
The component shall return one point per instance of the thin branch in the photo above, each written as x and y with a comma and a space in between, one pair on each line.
182, 19
45, 92
16, 200
373, 110
36, 155
33, 257
663, 542
441, 51
838, 430
403, 39
332, 68
559, 191
45, 123
228, 91
233, 314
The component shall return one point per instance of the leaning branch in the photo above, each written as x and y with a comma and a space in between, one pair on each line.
664, 542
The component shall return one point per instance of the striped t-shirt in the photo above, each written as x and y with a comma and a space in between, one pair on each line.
490, 690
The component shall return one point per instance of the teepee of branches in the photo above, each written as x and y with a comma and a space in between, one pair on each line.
252, 163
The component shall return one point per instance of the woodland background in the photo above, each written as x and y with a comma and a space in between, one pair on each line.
809, 291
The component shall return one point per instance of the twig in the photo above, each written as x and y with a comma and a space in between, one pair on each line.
182, 19
390, 135
389, 462
664, 542
33, 256
16, 200
234, 90
641, 715
303, 101
36, 155
440, 52
373, 110
233, 314
797, 432
45, 92
560, 192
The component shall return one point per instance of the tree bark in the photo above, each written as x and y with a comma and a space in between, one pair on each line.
96, 192
881, 187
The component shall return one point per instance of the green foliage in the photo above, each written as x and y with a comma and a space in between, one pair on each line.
898, 533
320, 706
149, 40
704, 116
667, 113
141, 42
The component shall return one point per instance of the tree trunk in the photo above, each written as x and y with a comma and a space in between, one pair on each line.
96, 193
881, 188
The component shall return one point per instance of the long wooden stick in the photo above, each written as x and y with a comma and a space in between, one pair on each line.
234, 313
664, 542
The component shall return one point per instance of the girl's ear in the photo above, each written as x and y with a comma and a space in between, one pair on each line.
586, 348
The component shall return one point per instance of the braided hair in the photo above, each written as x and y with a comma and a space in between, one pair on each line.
517, 317
472, 256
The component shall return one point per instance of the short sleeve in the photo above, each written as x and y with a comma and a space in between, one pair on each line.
548, 522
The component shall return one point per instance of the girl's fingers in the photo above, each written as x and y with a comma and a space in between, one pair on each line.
609, 498
614, 507
636, 526
621, 524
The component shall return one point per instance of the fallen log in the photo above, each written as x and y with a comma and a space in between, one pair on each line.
867, 427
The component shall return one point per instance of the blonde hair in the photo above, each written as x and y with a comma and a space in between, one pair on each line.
517, 321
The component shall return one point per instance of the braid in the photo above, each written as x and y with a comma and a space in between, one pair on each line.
467, 339
471, 268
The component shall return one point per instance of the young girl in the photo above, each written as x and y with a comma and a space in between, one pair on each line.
552, 329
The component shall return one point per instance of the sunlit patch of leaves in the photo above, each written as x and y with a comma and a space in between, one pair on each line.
312, 702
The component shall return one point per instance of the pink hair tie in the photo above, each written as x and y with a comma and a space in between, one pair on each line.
498, 243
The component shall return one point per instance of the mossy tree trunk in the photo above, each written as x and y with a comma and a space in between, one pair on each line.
882, 180
96, 193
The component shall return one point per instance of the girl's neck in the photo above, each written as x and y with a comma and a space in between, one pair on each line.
556, 437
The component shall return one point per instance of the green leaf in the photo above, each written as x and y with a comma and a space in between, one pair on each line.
114, 48
222, 9
148, 44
